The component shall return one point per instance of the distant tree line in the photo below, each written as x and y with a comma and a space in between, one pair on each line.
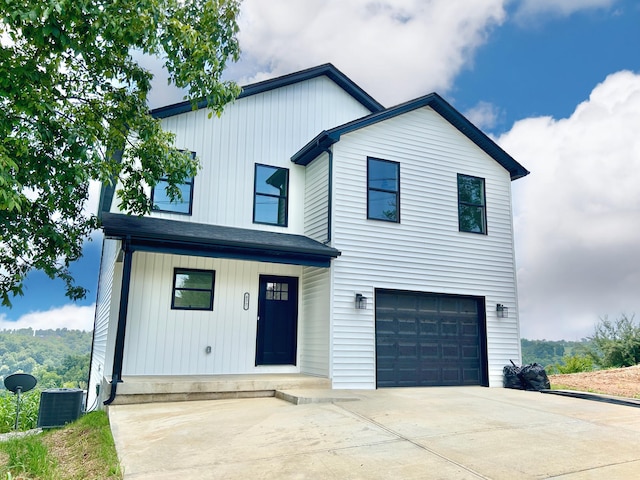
614, 344
57, 358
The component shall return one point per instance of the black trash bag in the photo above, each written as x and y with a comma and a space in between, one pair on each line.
511, 377
534, 377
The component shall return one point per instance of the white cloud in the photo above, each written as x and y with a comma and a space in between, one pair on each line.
535, 9
70, 316
576, 224
483, 115
395, 50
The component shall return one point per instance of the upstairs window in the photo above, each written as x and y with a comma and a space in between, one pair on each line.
161, 202
193, 289
271, 189
472, 209
383, 190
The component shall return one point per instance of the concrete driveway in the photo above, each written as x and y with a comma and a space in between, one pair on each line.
402, 433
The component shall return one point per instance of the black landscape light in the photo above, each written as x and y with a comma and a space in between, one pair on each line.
19, 383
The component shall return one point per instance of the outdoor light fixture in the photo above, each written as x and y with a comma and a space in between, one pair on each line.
361, 302
503, 312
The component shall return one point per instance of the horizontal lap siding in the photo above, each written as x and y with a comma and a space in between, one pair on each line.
315, 291
161, 341
314, 329
266, 128
316, 222
425, 252
103, 313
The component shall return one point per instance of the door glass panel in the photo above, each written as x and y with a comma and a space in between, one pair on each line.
277, 291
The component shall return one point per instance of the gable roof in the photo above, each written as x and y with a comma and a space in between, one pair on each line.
327, 69
152, 234
328, 137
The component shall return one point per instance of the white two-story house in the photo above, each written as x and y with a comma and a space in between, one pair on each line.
324, 235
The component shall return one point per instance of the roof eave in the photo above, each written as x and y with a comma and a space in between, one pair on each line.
259, 87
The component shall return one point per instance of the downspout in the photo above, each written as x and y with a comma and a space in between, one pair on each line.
118, 354
329, 151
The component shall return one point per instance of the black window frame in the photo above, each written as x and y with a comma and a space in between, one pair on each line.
375, 189
177, 271
280, 197
482, 206
190, 182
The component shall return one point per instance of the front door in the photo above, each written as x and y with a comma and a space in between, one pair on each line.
277, 321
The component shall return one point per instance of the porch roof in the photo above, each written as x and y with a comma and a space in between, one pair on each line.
197, 239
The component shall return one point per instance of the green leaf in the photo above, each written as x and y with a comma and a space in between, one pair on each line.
75, 110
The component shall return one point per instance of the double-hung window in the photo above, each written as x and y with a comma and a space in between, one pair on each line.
472, 208
193, 289
271, 189
383, 190
161, 202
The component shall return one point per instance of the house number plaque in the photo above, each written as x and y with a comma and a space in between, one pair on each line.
245, 302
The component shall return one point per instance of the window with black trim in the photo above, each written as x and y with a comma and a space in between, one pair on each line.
472, 209
161, 202
193, 289
271, 187
383, 190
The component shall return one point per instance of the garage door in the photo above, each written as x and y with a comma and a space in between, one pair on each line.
429, 339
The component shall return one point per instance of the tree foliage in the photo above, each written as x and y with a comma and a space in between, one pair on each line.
57, 358
616, 343
74, 109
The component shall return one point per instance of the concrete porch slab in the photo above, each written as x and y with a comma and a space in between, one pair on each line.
306, 396
173, 388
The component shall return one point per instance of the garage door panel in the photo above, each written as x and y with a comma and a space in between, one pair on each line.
449, 328
429, 339
429, 351
471, 376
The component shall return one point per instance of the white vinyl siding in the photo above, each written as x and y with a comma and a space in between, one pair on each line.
314, 330
104, 307
316, 222
425, 252
266, 128
161, 341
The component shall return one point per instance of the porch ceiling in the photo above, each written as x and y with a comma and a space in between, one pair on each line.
197, 239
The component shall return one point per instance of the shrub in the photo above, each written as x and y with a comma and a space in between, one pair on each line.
29, 405
616, 343
575, 364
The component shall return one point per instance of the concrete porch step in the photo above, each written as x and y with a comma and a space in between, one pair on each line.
160, 388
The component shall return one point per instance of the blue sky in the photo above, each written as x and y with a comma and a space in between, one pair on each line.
555, 82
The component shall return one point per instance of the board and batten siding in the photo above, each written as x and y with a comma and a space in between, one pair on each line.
425, 252
162, 341
266, 128
107, 299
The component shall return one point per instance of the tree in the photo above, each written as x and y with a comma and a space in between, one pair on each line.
616, 343
74, 109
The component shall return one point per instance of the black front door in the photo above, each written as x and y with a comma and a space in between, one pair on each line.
277, 321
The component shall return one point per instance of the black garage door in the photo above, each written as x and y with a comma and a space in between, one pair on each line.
425, 339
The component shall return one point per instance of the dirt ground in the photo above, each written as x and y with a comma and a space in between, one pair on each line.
622, 382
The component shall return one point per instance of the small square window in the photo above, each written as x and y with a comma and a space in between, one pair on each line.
161, 202
270, 195
472, 212
383, 190
193, 289
277, 291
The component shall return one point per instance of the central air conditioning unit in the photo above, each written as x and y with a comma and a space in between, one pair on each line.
59, 406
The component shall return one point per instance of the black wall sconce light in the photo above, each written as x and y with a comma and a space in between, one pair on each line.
503, 312
361, 302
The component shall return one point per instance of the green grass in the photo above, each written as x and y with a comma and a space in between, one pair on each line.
27, 456
83, 450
